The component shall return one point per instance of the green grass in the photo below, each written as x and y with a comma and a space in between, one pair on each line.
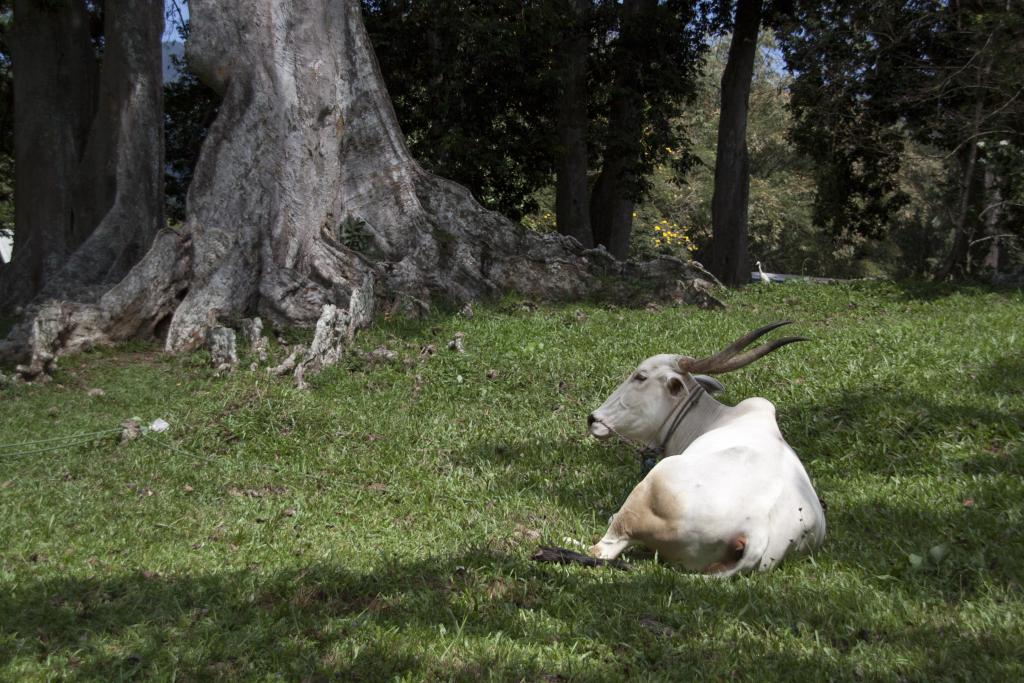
380, 525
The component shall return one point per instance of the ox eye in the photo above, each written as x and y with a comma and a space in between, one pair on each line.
640, 377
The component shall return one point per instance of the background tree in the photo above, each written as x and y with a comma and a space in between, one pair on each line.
674, 215
54, 85
729, 260
966, 97
874, 77
572, 189
651, 56
497, 107
840, 118
780, 228
471, 83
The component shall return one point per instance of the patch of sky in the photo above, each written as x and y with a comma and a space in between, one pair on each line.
176, 16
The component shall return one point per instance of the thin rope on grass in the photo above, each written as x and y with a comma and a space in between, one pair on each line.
69, 437
57, 443
73, 441
73, 444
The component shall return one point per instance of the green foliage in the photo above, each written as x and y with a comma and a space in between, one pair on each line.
917, 242
470, 82
542, 219
657, 64
379, 526
873, 76
475, 84
353, 233
780, 221
840, 121
189, 110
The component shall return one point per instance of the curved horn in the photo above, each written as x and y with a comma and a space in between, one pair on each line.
730, 358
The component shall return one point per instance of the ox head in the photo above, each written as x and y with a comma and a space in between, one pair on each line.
642, 404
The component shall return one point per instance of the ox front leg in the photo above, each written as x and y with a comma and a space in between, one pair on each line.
613, 542
609, 548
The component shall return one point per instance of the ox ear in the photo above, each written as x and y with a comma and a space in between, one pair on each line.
710, 384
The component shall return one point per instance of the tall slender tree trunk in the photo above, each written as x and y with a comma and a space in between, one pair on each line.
992, 215
55, 76
572, 205
612, 199
955, 263
729, 257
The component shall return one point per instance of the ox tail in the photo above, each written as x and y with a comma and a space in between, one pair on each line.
564, 556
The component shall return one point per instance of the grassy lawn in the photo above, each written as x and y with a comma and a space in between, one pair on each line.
380, 525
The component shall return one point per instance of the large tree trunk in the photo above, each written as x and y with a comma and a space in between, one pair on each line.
729, 258
305, 190
572, 205
55, 94
611, 202
119, 193
88, 162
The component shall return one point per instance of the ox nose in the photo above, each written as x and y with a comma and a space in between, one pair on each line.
591, 419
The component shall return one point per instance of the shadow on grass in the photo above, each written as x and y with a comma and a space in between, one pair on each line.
977, 550
964, 460
895, 431
1005, 375
561, 471
497, 617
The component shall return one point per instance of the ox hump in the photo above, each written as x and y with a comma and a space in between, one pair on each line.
756, 406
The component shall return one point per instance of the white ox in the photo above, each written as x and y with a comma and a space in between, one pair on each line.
736, 497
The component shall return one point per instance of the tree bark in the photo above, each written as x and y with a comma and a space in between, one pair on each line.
611, 209
612, 199
304, 192
954, 265
729, 257
992, 215
119, 193
55, 92
572, 206
89, 153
